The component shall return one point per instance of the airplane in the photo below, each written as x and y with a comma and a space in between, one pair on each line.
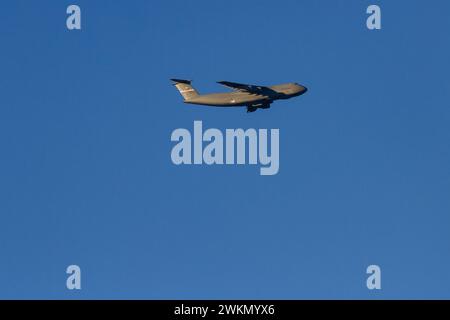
253, 97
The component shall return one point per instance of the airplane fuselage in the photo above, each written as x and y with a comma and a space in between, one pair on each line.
238, 98
251, 96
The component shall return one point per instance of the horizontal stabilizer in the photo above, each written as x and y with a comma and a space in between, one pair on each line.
182, 81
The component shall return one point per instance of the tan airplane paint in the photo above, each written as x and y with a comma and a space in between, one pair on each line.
250, 96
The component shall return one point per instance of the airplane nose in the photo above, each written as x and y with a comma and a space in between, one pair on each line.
303, 89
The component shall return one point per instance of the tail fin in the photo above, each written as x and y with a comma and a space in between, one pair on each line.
185, 88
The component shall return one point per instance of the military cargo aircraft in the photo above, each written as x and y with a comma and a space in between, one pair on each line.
253, 97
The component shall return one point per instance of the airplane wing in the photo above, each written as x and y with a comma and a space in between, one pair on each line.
249, 88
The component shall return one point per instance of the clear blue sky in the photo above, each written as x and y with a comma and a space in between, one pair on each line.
86, 176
